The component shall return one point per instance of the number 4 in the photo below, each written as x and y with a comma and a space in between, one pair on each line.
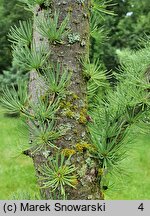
141, 207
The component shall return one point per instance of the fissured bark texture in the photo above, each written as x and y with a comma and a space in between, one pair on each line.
69, 54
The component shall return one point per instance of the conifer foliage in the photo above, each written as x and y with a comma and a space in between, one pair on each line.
110, 115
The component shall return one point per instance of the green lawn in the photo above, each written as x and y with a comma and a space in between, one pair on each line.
134, 184
17, 172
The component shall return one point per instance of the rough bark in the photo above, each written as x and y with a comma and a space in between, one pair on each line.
69, 55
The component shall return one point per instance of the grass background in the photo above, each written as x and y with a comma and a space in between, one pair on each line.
16, 170
17, 173
134, 184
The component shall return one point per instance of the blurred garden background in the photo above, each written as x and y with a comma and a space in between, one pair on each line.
126, 29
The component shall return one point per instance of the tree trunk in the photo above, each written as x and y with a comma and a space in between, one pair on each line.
73, 107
